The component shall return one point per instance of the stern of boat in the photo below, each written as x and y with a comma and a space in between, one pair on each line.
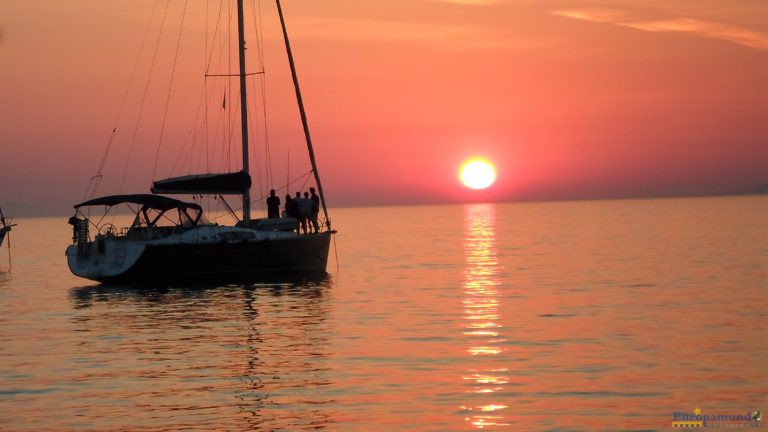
103, 258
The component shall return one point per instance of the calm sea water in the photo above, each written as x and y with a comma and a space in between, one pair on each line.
605, 315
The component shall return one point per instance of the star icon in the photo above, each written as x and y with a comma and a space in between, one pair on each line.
697, 411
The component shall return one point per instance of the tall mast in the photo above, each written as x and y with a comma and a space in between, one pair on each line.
243, 109
303, 114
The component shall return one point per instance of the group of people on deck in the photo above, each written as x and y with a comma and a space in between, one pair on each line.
305, 209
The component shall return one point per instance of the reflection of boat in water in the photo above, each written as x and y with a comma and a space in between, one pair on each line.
305, 285
5, 227
251, 357
171, 239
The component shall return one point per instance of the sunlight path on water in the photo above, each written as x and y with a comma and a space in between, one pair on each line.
486, 375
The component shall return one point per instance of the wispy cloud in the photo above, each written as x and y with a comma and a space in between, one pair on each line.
752, 39
708, 29
445, 36
469, 2
595, 15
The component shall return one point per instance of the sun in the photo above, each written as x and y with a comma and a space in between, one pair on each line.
477, 173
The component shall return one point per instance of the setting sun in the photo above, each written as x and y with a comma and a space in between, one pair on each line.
477, 174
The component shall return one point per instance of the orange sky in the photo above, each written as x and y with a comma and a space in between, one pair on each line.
570, 99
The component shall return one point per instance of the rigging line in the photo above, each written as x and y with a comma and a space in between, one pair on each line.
259, 33
219, 130
208, 102
254, 129
260, 49
306, 180
252, 133
193, 160
215, 33
102, 219
304, 177
170, 88
234, 75
267, 150
197, 136
191, 137
144, 96
230, 131
215, 135
257, 26
94, 181
219, 50
190, 140
231, 212
260, 56
100, 170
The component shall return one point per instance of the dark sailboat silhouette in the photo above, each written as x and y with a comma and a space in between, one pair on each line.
5, 227
171, 240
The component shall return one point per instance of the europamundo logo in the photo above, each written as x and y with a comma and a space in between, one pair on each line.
698, 420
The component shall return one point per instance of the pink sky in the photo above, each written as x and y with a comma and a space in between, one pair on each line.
569, 99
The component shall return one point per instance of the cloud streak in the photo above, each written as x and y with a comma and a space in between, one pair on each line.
446, 36
708, 29
469, 2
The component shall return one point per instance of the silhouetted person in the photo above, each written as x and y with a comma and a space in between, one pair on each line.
292, 210
75, 222
273, 205
300, 215
288, 208
315, 209
306, 211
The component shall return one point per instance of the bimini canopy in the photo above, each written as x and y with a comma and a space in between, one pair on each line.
146, 200
216, 184
154, 210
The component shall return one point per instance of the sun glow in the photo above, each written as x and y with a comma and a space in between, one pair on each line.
477, 174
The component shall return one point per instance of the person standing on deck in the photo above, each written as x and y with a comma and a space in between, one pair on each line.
299, 203
315, 210
288, 208
273, 205
306, 212
292, 211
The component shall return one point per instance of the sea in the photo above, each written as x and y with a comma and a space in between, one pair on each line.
617, 315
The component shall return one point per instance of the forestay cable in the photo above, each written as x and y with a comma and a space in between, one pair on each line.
170, 88
94, 182
144, 97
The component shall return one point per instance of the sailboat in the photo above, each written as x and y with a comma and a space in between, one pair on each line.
5, 227
172, 240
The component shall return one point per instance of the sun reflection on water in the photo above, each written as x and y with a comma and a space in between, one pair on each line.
481, 318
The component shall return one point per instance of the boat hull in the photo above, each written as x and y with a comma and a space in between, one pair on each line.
225, 261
